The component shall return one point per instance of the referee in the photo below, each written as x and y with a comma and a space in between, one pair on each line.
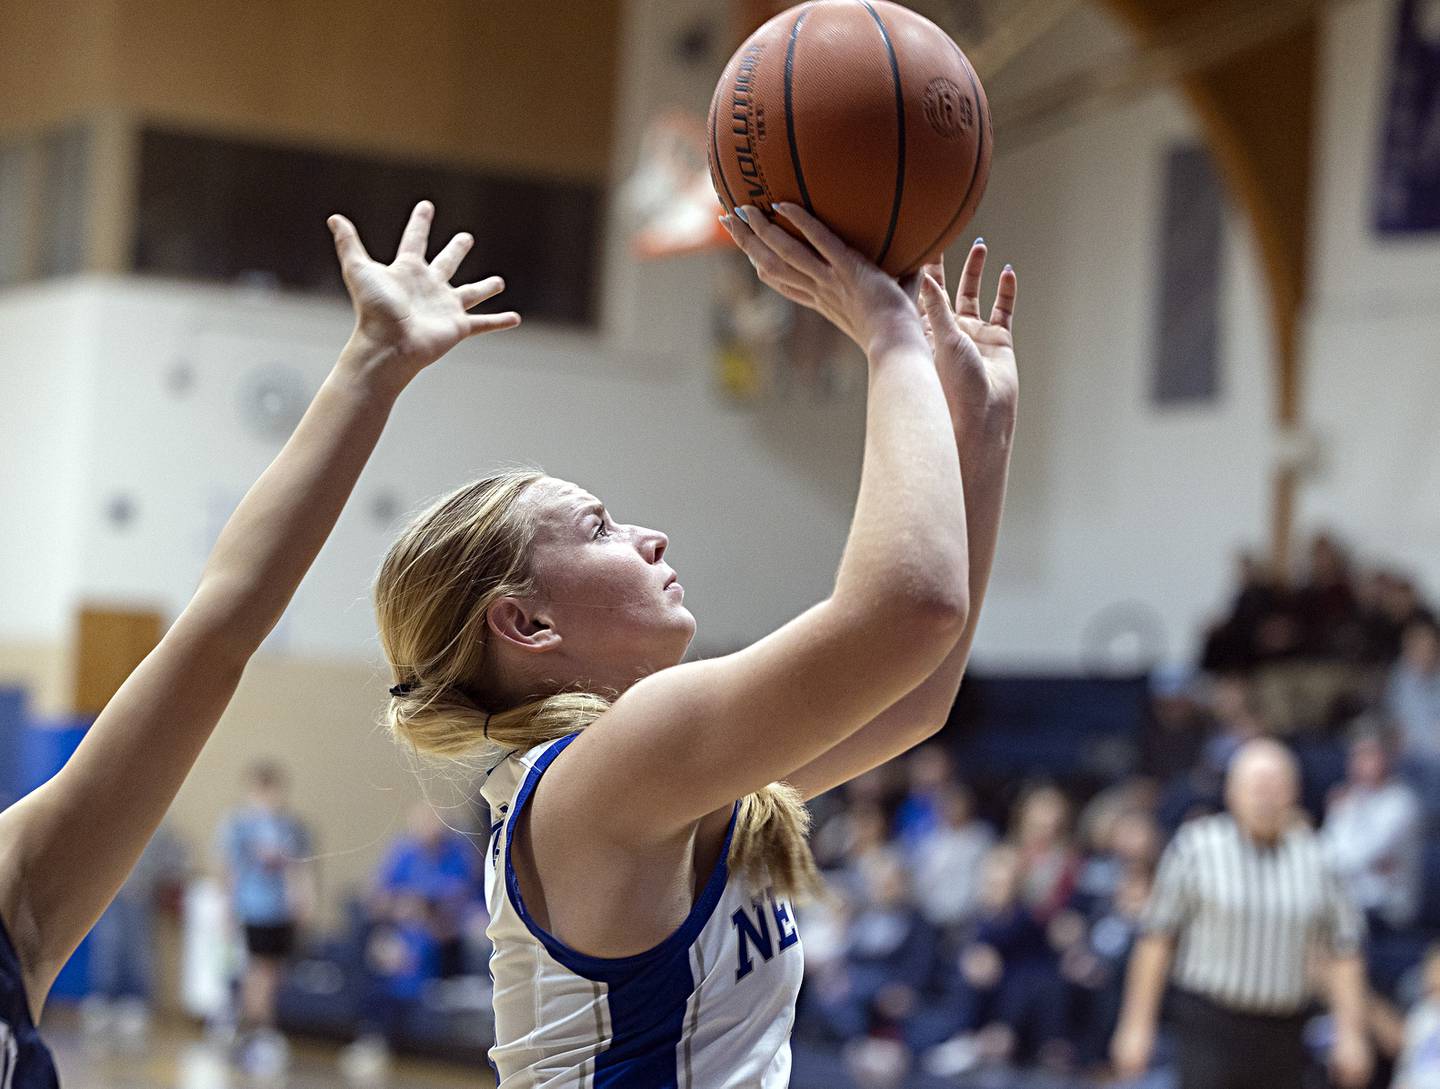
1241, 903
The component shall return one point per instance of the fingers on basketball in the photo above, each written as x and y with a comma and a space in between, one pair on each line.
826, 242
790, 249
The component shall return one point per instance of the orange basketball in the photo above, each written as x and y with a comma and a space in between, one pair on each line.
866, 114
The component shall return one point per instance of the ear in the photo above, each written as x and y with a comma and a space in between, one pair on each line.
525, 625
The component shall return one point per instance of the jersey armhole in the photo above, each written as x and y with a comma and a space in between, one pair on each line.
609, 969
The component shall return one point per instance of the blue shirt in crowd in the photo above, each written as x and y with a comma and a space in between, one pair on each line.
446, 872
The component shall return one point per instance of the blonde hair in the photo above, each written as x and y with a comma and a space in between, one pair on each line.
432, 595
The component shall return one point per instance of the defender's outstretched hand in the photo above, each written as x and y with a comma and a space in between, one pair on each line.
975, 358
66, 847
408, 310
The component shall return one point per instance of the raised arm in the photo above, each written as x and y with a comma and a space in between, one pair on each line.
66, 848
691, 739
975, 360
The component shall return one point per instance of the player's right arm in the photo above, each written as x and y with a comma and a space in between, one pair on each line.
689, 740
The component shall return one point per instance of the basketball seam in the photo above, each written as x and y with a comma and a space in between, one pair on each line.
979, 147
900, 128
790, 113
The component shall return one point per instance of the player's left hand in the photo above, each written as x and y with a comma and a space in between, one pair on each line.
974, 357
407, 311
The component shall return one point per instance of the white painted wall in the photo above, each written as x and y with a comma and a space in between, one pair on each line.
1115, 507
45, 413
1372, 389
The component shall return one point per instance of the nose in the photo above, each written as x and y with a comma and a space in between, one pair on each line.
653, 544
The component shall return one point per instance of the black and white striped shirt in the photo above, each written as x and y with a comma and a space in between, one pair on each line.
1245, 914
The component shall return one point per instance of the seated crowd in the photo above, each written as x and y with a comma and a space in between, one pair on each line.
963, 932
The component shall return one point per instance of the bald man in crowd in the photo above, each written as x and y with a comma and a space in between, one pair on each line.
1242, 902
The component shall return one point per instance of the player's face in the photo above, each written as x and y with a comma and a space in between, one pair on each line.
607, 586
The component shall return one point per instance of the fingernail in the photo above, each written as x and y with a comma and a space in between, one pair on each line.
979, 242
1008, 268
744, 217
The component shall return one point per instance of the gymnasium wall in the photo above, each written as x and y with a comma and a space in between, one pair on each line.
1373, 385
1121, 516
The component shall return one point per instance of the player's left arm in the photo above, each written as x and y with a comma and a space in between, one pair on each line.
976, 363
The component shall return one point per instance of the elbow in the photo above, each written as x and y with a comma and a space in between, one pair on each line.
948, 613
935, 612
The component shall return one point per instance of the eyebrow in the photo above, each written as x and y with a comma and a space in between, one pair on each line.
593, 508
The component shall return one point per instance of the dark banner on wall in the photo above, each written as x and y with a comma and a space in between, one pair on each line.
1408, 193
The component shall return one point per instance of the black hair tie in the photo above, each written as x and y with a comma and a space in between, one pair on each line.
405, 689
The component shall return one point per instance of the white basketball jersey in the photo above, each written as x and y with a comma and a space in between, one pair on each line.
710, 1007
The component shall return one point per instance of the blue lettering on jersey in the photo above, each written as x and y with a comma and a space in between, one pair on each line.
495, 830
755, 932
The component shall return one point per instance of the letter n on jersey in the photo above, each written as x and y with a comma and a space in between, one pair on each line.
752, 932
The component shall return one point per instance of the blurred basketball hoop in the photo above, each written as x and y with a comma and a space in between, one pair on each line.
669, 199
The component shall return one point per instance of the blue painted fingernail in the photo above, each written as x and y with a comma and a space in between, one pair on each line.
979, 242
1009, 268
745, 219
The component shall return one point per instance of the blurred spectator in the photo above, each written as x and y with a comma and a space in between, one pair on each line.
1389, 603
851, 815
1238, 720
1008, 999
1374, 832
264, 847
929, 770
888, 961
439, 867
1120, 843
947, 860
1258, 626
1242, 901
1049, 865
1325, 606
1096, 966
122, 951
1412, 695
1419, 1065
1181, 724
853, 840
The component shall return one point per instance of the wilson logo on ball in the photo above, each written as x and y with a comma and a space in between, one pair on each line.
947, 109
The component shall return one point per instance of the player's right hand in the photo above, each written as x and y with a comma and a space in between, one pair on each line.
864, 302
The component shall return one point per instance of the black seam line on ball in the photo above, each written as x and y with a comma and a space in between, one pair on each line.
718, 170
790, 113
979, 147
900, 128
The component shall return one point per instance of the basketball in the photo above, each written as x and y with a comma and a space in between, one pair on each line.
866, 114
